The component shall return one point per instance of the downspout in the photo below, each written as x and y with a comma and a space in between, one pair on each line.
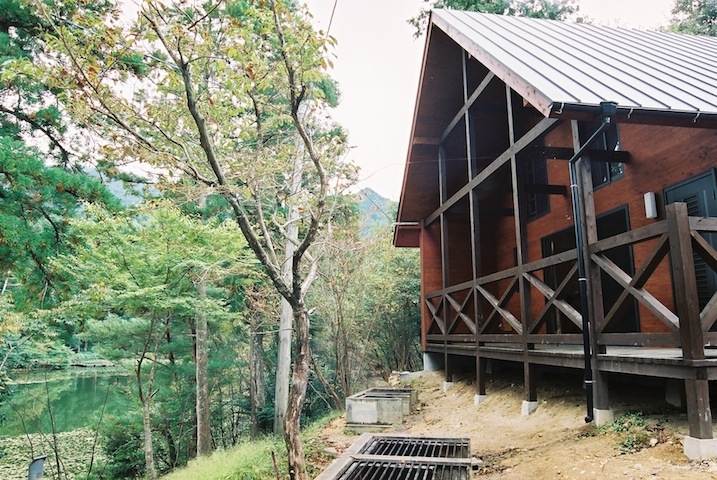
607, 110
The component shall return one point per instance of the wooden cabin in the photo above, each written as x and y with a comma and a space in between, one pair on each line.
560, 184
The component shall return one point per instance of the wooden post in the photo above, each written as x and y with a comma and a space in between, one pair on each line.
475, 225
687, 306
685, 283
521, 242
588, 218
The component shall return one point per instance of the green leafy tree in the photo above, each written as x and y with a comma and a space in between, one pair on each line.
550, 9
698, 17
37, 202
368, 318
229, 97
134, 278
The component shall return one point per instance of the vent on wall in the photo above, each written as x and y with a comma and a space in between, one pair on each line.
402, 457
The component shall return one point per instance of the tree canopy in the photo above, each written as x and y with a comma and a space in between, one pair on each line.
550, 9
697, 17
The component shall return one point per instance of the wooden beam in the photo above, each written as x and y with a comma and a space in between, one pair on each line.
541, 129
467, 105
684, 281
596, 155
435, 141
498, 308
638, 281
545, 189
664, 314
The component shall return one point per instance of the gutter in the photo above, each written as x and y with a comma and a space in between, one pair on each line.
607, 111
652, 116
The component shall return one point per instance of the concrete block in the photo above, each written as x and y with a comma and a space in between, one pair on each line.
528, 407
447, 386
602, 417
698, 449
380, 406
478, 399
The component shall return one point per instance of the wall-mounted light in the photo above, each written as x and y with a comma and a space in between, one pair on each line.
650, 205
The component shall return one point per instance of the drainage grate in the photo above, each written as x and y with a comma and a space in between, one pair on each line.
411, 446
402, 457
405, 469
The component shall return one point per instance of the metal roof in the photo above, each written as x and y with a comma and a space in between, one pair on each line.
557, 65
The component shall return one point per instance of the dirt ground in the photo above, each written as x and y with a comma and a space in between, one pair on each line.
553, 442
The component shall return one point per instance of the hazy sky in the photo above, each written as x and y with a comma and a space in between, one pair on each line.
377, 66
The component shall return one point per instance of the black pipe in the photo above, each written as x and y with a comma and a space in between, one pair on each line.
607, 109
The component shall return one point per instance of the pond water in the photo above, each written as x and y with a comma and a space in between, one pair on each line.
75, 402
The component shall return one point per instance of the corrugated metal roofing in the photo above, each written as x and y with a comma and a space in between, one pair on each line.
554, 64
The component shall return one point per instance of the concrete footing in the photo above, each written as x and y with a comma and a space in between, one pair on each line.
432, 362
602, 417
447, 386
528, 407
675, 392
478, 399
698, 449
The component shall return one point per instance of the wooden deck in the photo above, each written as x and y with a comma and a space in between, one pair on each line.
663, 362
506, 315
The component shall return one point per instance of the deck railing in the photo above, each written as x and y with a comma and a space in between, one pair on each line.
491, 309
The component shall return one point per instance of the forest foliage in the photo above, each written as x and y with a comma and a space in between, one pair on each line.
216, 119
217, 115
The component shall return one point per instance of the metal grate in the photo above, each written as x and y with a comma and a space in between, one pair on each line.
384, 393
403, 457
411, 446
405, 469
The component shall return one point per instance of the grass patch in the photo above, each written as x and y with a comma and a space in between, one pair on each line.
253, 460
634, 432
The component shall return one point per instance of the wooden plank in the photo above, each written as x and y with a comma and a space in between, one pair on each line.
553, 300
638, 280
541, 129
684, 281
436, 318
498, 307
705, 250
664, 314
703, 224
556, 339
546, 189
460, 315
640, 339
563, 153
551, 261
494, 277
467, 105
435, 141
451, 289
630, 237
699, 415
500, 338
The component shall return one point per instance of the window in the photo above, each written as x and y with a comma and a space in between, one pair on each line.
609, 140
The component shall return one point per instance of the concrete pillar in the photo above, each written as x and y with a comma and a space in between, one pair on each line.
432, 362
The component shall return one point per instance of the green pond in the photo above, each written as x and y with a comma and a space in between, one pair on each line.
75, 402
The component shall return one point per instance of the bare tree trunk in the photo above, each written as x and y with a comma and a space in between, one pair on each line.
257, 396
297, 395
283, 365
204, 436
283, 360
148, 448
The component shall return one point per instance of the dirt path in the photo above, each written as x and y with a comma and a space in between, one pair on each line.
553, 442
